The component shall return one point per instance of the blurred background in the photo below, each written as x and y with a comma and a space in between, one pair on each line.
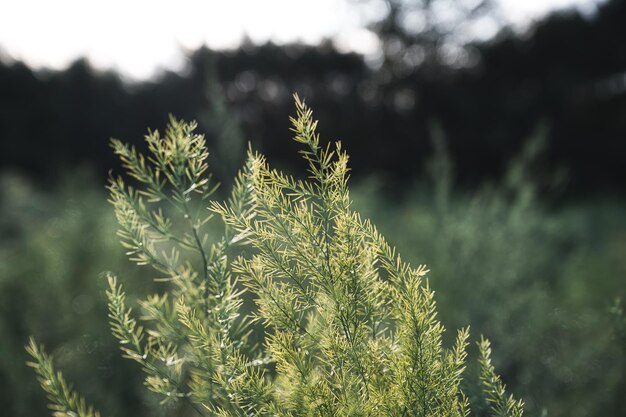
487, 140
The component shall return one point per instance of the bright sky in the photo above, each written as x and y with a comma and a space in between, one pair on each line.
137, 37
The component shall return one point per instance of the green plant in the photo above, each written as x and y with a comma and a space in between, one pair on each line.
54, 243
493, 253
347, 327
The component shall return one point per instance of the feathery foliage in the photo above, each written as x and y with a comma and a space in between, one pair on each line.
494, 388
350, 329
64, 401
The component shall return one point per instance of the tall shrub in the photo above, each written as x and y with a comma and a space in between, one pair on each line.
347, 328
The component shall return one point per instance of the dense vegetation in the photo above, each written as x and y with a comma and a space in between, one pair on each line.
549, 321
525, 239
347, 327
567, 73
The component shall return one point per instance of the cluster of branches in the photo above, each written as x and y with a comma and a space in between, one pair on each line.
350, 329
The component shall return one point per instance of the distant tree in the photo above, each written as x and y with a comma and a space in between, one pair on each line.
425, 36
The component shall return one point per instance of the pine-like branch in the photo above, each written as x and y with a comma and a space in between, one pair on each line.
64, 402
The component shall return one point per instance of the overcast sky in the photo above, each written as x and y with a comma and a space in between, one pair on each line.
137, 37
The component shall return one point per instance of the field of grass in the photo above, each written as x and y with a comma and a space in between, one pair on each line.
538, 281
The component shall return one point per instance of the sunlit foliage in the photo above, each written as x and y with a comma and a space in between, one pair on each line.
349, 328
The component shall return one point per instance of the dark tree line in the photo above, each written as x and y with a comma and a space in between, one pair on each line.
568, 73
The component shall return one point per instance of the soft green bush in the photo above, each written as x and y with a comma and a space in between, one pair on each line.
347, 327
535, 279
54, 244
